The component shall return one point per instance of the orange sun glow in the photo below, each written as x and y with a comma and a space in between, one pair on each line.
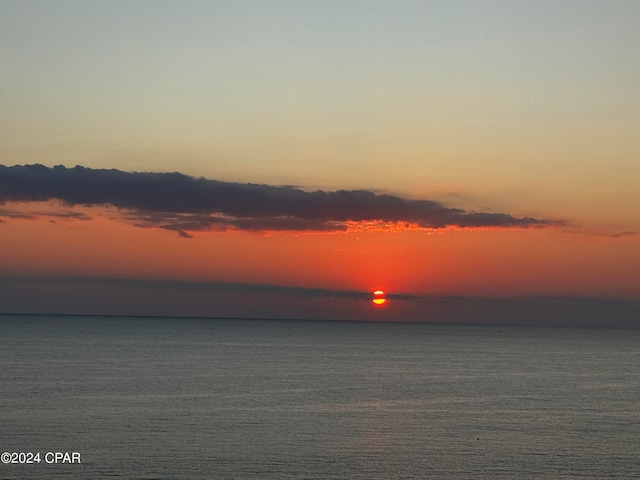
378, 298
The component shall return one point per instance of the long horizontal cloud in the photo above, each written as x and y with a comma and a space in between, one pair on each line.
63, 215
218, 287
182, 203
118, 296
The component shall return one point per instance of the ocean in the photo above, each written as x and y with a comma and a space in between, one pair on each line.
180, 398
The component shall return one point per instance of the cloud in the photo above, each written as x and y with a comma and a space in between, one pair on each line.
198, 286
181, 203
53, 214
122, 296
13, 214
620, 234
184, 234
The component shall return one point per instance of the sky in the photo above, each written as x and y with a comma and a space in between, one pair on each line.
479, 161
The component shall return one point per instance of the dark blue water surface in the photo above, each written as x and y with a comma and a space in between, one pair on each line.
151, 398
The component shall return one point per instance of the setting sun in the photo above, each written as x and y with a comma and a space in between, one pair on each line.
379, 298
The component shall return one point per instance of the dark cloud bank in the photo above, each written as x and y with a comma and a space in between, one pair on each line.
185, 204
101, 296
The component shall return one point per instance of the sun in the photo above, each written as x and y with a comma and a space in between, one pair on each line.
379, 298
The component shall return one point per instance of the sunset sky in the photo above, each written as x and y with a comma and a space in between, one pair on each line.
476, 160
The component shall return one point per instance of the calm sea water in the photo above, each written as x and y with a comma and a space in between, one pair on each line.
236, 399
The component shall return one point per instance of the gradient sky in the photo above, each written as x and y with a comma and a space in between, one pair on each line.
522, 109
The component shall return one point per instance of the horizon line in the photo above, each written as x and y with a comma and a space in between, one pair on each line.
567, 326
